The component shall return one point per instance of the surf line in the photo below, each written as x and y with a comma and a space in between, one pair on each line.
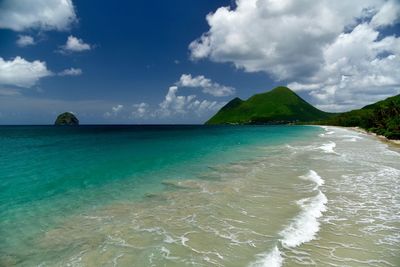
303, 228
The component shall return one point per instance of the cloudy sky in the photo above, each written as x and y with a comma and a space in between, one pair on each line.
180, 61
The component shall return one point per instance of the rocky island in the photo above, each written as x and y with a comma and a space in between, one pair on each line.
66, 118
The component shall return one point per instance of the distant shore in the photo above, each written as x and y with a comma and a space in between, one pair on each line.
380, 137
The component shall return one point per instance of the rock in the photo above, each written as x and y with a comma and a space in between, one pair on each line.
66, 118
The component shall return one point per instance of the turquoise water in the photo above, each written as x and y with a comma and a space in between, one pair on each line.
197, 196
48, 173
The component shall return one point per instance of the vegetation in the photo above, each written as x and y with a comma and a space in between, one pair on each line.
279, 106
382, 118
283, 106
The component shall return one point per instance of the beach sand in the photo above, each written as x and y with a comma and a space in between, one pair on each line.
380, 137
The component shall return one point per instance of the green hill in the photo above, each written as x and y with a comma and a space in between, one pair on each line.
280, 105
382, 117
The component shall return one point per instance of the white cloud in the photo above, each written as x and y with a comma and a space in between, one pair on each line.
114, 111
333, 49
207, 86
74, 44
176, 107
205, 106
180, 105
22, 73
283, 38
359, 68
20, 15
141, 110
388, 15
25, 40
70, 72
117, 108
174, 104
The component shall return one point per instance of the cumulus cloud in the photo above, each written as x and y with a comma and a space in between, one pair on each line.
201, 107
117, 108
175, 104
388, 15
114, 111
141, 110
70, 72
174, 108
25, 40
20, 15
74, 44
22, 73
359, 68
207, 86
332, 49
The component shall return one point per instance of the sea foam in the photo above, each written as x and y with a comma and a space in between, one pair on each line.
306, 225
313, 177
303, 228
328, 147
271, 259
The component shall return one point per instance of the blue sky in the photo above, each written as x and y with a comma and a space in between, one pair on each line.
165, 62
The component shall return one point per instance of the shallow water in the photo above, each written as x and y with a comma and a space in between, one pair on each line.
198, 196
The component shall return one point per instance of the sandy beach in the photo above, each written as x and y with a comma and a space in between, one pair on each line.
380, 137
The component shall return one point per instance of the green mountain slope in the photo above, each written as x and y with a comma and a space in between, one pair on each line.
382, 117
280, 105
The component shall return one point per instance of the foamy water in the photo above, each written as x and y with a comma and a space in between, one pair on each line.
327, 201
313, 177
304, 226
328, 147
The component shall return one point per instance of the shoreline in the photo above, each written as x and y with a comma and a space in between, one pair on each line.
382, 138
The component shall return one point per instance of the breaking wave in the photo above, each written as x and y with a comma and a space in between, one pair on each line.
303, 228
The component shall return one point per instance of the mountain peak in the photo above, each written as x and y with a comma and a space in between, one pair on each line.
233, 103
281, 89
280, 105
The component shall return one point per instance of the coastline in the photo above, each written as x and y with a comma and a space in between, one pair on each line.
396, 143
327, 197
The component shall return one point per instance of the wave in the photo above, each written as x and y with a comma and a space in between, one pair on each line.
306, 225
313, 177
328, 147
353, 136
271, 259
303, 228
391, 152
327, 129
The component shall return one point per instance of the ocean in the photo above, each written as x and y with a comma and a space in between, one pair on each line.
197, 196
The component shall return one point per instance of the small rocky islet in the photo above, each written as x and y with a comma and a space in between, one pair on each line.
66, 118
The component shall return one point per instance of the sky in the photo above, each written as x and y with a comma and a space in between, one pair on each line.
159, 62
